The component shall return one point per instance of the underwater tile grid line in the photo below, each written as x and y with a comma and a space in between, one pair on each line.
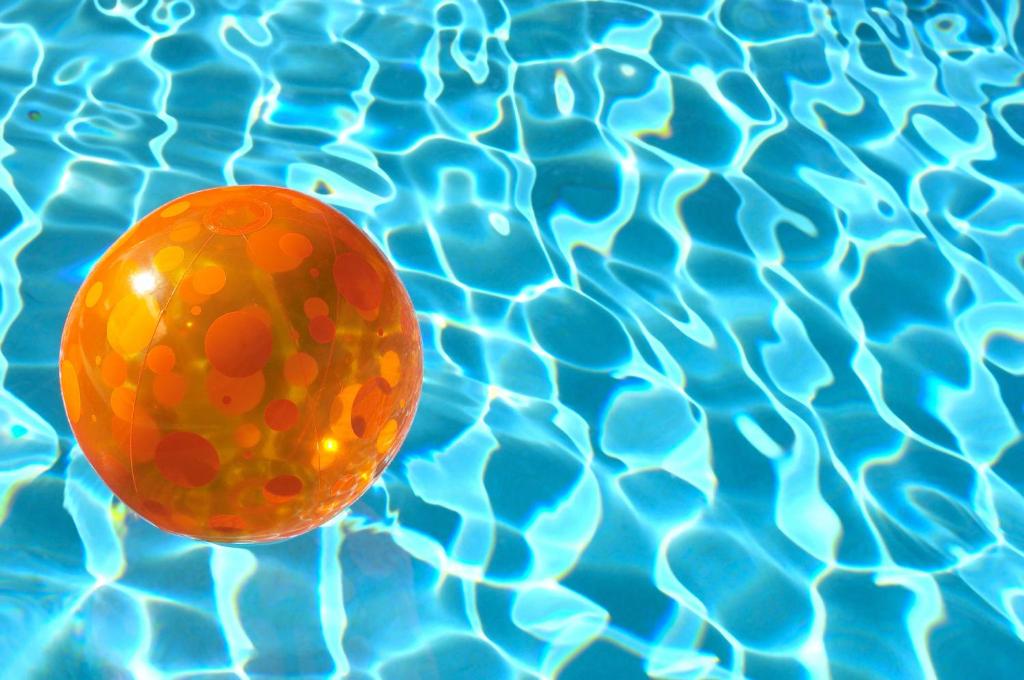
722, 316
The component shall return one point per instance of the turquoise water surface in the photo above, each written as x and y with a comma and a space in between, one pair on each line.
723, 326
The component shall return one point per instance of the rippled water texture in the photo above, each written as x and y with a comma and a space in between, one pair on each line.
723, 325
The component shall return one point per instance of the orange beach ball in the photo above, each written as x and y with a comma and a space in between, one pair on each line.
241, 365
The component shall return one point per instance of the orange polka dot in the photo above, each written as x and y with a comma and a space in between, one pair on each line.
237, 217
238, 343
227, 523
281, 415
187, 459
235, 396
314, 307
295, 245
154, 507
264, 249
169, 388
175, 209
357, 281
160, 359
70, 390
209, 280
94, 294
187, 291
282, 488
300, 369
368, 408
122, 400
168, 258
322, 329
303, 203
196, 310
247, 435
113, 370
314, 272
341, 412
183, 523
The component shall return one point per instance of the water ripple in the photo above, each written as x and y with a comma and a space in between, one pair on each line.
722, 312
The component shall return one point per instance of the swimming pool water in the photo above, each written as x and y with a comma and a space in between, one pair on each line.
723, 325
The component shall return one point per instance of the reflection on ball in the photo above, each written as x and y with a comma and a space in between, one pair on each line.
241, 365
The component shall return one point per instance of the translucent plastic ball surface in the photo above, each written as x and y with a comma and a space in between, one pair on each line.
241, 364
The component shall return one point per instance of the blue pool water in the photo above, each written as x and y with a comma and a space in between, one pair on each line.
722, 313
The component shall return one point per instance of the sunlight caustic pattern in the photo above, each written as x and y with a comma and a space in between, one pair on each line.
241, 365
722, 305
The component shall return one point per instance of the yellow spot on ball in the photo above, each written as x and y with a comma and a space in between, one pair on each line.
175, 209
390, 367
387, 435
94, 294
131, 325
168, 258
72, 395
122, 402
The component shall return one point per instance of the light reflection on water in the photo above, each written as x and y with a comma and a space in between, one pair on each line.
722, 311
